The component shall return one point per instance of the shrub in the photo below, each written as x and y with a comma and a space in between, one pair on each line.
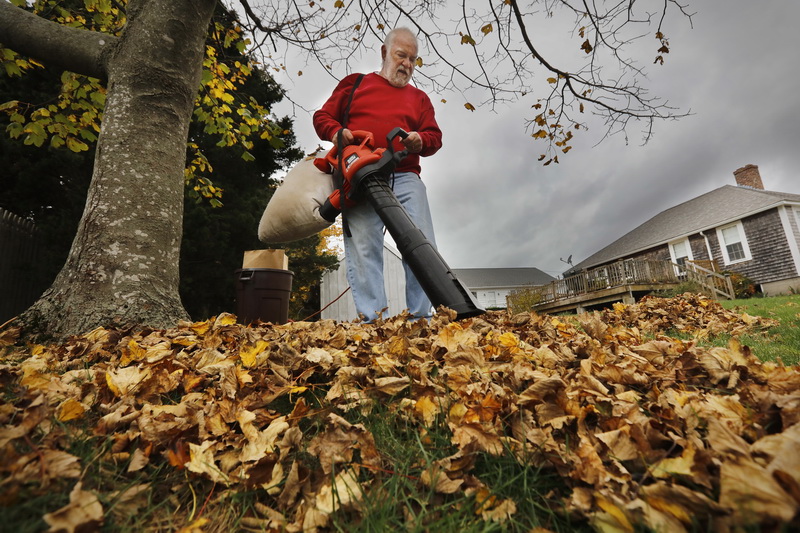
743, 287
522, 300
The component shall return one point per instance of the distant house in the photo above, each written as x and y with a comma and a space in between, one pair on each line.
489, 286
743, 229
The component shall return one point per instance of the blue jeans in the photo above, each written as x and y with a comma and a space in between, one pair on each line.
364, 249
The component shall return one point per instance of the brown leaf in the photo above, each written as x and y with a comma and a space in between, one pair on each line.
84, 512
753, 495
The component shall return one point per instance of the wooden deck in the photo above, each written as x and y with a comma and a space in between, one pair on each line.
625, 281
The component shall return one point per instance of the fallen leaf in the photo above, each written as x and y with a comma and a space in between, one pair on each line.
84, 512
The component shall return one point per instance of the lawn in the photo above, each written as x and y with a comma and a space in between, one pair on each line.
782, 341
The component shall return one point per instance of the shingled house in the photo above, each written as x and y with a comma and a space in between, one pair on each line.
743, 229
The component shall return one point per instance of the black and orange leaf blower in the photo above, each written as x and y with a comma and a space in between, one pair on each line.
364, 173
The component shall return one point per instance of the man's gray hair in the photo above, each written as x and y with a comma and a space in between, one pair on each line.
387, 42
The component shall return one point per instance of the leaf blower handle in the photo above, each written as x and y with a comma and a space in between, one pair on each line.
396, 132
330, 161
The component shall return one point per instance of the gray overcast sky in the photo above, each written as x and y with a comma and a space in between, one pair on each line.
494, 205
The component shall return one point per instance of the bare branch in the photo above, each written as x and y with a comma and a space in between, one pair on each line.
486, 49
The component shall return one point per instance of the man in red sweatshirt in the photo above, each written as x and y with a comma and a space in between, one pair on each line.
381, 102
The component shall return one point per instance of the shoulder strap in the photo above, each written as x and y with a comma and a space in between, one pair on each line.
339, 177
346, 115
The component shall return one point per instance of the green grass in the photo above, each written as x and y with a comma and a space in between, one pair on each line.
781, 342
398, 500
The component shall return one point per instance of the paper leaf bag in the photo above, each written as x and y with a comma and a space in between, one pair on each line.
293, 211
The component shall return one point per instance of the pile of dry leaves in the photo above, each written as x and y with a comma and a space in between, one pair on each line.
644, 428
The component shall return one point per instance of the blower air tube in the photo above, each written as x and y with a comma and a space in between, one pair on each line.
430, 269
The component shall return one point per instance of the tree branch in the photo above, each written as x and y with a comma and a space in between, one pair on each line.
72, 49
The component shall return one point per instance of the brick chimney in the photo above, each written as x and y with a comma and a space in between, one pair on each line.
748, 176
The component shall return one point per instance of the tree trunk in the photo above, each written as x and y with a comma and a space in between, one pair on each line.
122, 269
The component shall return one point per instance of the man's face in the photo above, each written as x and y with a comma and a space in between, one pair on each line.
399, 60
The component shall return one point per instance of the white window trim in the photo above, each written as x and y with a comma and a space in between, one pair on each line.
787, 228
674, 258
723, 247
685, 241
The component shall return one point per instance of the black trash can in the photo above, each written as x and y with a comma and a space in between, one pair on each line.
263, 294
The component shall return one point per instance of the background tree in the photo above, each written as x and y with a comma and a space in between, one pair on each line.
123, 265
49, 186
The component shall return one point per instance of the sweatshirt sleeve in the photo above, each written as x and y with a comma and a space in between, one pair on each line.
429, 129
327, 119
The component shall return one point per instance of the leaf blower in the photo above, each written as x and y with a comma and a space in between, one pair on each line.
364, 172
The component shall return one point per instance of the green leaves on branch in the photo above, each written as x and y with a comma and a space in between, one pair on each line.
14, 64
73, 119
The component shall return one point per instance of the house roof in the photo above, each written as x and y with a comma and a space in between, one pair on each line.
713, 209
484, 278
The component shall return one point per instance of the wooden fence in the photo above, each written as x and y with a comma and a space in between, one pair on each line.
19, 250
633, 273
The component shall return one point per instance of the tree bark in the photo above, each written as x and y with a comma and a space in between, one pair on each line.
122, 269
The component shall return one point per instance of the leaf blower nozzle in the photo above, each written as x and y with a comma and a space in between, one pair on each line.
366, 172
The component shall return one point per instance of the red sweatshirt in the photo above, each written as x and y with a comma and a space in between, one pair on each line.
378, 108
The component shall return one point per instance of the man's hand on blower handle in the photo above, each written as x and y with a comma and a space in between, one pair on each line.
412, 142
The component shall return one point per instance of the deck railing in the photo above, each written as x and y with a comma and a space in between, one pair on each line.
633, 272
718, 285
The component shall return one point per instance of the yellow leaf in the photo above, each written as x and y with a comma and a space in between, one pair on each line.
509, 340
426, 409
248, 355
487, 29
76, 145
616, 514
338, 4
457, 412
225, 319
675, 465
134, 352
551, 80
469, 106
71, 409
126, 380
666, 506
195, 527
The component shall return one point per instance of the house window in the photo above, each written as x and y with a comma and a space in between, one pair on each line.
680, 251
733, 243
